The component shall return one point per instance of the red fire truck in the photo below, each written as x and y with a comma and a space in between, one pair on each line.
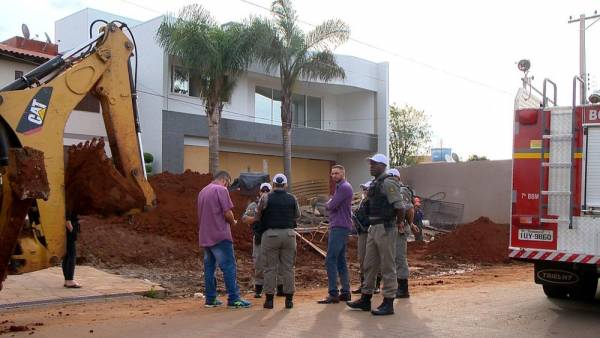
555, 220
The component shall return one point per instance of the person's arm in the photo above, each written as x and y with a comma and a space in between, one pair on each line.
69, 225
400, 215
226, 206
341, 195
230, 218
262, 205
297, 212
249, 214
248, 219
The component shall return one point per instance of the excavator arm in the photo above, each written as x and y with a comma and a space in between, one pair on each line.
33, 113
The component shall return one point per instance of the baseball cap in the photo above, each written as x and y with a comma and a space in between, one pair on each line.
266, 185
280, 179
394, 172
366, 184
379, 158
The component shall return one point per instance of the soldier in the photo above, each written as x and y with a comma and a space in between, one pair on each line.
277, 212
259, 261
387, 212
401, 259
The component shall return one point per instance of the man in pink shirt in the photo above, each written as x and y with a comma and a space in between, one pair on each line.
215, 218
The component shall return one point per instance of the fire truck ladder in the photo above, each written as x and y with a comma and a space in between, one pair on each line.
556, 152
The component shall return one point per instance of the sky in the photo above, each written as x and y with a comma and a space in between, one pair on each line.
455, 60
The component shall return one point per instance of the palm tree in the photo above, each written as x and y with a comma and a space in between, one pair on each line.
283, 46
216, 54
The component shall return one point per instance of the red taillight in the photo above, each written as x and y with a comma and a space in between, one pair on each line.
525, 220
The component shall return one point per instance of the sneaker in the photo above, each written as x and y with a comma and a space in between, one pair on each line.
239, 304
214, 303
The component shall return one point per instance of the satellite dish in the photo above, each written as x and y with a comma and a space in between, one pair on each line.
455, 157
48, 40
25, 31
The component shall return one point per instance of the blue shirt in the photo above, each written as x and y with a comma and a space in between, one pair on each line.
340, 206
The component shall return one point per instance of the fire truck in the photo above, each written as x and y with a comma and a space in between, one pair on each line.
555, 221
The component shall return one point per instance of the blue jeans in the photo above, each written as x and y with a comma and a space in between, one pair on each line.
335, 262
221, 254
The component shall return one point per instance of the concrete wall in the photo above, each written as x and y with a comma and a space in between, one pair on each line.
73, 30
484, 187
150, 86
178, 126
7, 70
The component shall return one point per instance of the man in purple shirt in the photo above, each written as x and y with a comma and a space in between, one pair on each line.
340, 224
215, 218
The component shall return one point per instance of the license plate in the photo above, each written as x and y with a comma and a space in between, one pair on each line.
536, 235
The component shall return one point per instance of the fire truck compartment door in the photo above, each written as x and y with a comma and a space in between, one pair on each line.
592, 180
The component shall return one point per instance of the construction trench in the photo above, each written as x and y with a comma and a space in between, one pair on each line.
161, 245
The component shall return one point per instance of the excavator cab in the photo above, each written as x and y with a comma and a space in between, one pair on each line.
37, 186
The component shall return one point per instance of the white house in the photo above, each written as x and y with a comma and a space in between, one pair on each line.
342, 121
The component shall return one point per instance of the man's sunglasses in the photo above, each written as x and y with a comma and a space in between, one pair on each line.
265, 190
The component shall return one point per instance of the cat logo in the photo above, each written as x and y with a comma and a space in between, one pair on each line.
35, 114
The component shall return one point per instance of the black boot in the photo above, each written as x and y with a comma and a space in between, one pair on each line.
345, 297
268, 302
378, 284
364, 303
402, 291
386, 308
258, 290
289, 300
280, 291
362, 283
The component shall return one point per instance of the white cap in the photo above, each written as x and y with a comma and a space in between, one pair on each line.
380, 158
280, 179
266, 185
394, 172
367, 184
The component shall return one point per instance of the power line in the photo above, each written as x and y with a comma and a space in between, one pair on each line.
405, 58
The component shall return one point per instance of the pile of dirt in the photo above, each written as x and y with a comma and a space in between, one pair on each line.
481, 241
165, 239
93, 185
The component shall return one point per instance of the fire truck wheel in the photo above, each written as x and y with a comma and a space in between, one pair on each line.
587, 290
553, 291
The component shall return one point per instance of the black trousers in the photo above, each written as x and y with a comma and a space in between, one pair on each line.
68, 263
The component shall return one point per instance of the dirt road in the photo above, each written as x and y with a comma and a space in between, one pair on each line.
497, 301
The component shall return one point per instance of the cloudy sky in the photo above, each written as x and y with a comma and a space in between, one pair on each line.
456, 60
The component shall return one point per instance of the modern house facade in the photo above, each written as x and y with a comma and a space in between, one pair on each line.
342, 121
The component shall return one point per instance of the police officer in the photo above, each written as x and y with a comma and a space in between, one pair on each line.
387, 211
259, 261
402, 271
361, 222
277, 212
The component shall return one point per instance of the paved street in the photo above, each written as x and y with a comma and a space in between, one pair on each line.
490, 309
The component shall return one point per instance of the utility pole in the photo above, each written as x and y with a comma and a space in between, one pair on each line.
582, 71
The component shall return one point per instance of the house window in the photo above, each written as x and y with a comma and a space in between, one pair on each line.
184, 84
306, 110
313, 112
18, 74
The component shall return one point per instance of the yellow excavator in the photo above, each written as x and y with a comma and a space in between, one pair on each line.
36, 188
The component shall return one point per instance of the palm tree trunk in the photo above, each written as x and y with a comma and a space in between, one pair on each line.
286, 135
213, 140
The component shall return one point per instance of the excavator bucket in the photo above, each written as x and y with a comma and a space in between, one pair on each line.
93, 185
23, 182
